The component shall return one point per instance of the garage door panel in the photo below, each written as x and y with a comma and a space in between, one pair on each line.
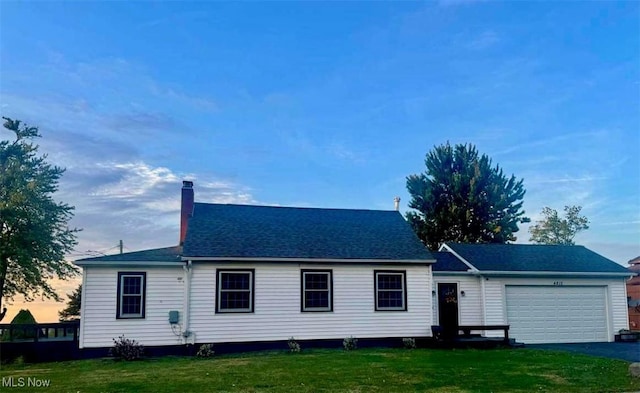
547, 314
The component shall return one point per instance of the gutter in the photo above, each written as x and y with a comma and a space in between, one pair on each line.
312, 260
548, 273
128, 263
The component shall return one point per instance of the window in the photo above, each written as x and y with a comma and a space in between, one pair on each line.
391, 293
317, 290
131, 293
235, 291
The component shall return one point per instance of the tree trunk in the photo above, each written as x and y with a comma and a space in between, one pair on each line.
4, 263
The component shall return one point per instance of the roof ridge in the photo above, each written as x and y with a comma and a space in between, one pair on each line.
297, 207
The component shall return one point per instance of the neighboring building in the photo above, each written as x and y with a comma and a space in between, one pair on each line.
633, 294
262, 274
547, 294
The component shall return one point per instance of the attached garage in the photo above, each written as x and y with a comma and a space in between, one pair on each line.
546, 294
557, 314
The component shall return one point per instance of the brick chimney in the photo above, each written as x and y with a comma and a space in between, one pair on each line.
186, 208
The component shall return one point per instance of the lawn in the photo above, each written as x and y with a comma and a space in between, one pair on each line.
364, 370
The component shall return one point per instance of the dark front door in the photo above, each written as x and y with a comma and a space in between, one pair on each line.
448, 309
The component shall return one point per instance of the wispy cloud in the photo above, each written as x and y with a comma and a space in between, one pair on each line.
454, 3
484, 40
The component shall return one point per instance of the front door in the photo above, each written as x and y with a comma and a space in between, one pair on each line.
448, 309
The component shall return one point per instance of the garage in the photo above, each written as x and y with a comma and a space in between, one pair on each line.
557, 314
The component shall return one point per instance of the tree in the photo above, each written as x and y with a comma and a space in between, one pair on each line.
72, 311
461, 197
555, 230
34, 234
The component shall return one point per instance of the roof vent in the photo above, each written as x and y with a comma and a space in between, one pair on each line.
396, 203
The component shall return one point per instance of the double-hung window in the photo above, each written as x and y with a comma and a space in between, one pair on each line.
317, 290
131, 294
391, 290
235, 291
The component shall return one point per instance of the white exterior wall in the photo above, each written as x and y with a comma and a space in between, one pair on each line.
495, 299
469, 305
277, 314
164, 292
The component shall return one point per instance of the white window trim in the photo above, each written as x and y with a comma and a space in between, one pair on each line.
329, 290
121, 295
219, 291
404, 291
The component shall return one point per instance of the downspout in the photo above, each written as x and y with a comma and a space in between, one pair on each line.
188, 271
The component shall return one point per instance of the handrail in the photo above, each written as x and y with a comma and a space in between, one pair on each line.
34, 332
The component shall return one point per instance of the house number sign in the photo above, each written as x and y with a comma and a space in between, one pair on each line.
558, 283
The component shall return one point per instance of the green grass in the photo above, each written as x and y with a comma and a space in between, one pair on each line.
364, 370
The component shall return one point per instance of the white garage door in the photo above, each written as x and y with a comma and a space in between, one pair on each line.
556, 314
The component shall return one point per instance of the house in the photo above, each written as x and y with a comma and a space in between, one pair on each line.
633, 294
262, 274
258, 275
547, 294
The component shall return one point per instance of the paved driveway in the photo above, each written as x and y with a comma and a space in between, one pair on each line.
625, 351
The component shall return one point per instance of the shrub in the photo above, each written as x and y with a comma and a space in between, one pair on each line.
127, 349
294, 346
350, 343
205, 351
409, 343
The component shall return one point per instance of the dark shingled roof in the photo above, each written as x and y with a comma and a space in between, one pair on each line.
447, 262
167, 254
217, 230
533, 257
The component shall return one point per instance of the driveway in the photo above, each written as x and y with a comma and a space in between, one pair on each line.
616, 350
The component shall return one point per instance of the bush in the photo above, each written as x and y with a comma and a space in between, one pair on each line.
293, 345
350, 343
205, 351
409, 343
124, 348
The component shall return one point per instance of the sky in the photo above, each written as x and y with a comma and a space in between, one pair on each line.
322, 104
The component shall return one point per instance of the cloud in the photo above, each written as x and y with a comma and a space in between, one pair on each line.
135, 202
484, 40
197, 102
141, 121
454, 3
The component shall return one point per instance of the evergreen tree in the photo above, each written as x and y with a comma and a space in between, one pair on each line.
461, 197
72, 311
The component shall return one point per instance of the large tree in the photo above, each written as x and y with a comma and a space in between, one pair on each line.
34, 231
462, 197
555, 230
72, 311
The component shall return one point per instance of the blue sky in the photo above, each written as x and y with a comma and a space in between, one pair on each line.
325, 104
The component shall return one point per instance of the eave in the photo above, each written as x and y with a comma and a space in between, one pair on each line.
129, 263
313, 260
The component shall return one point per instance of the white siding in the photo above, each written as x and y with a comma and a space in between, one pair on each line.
277, 314
616, 304
469, 305
619, 309
494, 304
164, 292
